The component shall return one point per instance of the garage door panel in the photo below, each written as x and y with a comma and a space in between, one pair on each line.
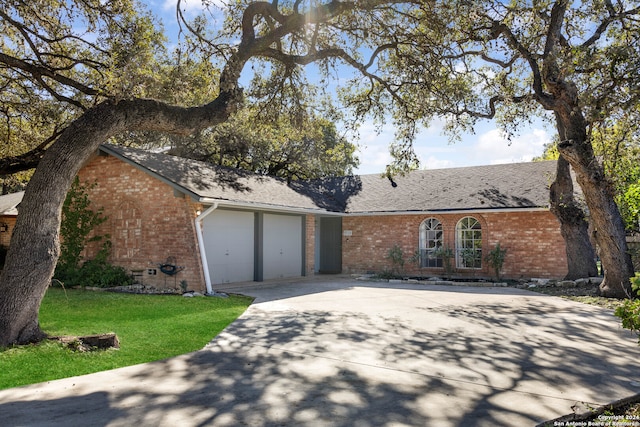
229, 245
282, 246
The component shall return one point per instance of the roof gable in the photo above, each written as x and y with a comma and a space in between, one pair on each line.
205, 181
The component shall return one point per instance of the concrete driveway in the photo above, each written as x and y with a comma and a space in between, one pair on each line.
352, 353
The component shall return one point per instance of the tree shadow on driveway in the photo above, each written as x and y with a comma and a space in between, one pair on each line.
439, 361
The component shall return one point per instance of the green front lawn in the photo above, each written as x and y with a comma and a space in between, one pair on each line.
149, 327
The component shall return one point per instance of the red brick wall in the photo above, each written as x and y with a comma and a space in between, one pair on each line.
147, 222
310, 245
5, 236
534, 245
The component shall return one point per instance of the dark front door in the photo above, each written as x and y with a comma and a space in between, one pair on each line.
330, 245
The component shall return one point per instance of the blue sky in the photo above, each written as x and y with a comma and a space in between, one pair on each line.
486, 146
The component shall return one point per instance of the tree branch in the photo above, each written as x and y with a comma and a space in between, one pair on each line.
28, 160
37, 71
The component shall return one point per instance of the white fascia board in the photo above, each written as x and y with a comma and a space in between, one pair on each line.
446, 211
322, 212
264, 207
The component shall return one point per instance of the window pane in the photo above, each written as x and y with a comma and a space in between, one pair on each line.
469, 243
430, 240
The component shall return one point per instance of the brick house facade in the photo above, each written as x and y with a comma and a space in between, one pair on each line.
151, 224
167, 210
534, 245
147, 222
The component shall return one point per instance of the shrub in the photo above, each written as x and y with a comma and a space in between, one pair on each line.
396, 256
97, 272
101, 274
388, 275
77, 230
446, 253
495, 258
629, 311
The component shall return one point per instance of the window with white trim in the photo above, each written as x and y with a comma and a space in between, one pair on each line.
469, 243
430, 242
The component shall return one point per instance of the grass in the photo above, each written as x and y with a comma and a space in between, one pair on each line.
610, 303
149, 327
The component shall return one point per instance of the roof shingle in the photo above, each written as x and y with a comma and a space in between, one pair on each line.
506, 186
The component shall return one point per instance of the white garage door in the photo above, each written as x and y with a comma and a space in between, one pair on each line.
282, 246
229, 245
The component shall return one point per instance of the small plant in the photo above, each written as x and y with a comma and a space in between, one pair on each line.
387, 275
446, 253
469, 257
396, 256
416, 258
184, 285
495, 258
97, 273
629, 311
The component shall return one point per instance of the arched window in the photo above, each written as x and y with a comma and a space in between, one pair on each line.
469, 243
430, 242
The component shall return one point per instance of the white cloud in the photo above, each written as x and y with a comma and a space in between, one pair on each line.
373, 149
433, 162
435, 127
374, 157
493, 148
436, 152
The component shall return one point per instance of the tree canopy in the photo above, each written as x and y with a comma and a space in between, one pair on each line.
618, 147
277, 148
575, 63
61, 58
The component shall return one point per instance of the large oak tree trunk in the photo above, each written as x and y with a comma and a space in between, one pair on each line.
573, 225
34, 248
35, 245
598, 193
561, 96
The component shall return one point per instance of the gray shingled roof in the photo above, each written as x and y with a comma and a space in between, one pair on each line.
206, 181
9, 203
508, 186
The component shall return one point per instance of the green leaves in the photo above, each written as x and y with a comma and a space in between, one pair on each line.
629, 311
77, 229
495, 258
274, 146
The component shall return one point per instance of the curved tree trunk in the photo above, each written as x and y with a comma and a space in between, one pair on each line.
561, 96
35, 245
34, 248
598, 192
573, 225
